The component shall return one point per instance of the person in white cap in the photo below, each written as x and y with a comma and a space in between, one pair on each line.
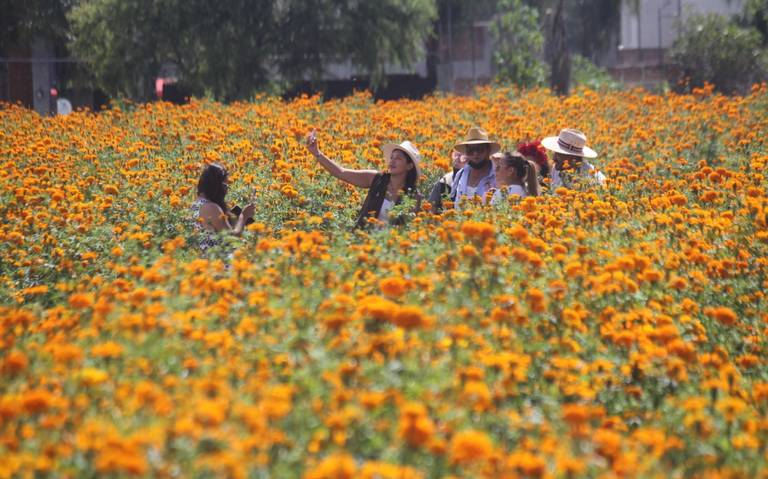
479, 176
570, 157
385, 188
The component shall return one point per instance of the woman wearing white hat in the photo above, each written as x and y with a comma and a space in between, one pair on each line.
570, 152
385, 189
479, 176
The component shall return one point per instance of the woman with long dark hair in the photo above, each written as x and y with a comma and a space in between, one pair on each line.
385, 188
210, 211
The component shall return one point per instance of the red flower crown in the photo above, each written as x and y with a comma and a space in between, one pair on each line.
533, 150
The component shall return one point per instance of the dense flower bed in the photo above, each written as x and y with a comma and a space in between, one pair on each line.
617, 331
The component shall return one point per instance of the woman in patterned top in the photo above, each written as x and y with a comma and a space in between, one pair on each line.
210, 210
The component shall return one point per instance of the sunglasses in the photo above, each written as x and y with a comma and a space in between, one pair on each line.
471, 149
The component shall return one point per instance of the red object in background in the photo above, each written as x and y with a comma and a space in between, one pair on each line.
535, 150
54, 92
159, 88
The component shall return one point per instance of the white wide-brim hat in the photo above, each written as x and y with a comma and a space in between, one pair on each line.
477, 136
569, 142
406, 147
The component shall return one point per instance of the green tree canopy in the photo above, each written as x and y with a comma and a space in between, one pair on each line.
519, 43
22, 20
232, 48
714, 49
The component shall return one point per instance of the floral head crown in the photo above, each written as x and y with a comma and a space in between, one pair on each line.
533, 150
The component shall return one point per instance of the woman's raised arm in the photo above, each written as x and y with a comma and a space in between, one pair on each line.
362, 178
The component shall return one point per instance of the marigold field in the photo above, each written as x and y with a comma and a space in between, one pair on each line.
615, 332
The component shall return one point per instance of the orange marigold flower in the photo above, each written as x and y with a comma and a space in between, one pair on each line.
478, 231
724, 315
477, 394
81, 300
470, 446
416, 428
15, 362
607, 442
383, 470
411, 317
336, 466
36, 401
526, 463
66, 353
110, 349
678, 283
760, 392
393, 287
378, 308
536, 300
576, 414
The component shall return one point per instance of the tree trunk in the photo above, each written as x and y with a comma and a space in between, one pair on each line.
560, 80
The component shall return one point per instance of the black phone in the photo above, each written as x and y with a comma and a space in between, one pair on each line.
237, 210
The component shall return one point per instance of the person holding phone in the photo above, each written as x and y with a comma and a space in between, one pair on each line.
210, 212
385, 188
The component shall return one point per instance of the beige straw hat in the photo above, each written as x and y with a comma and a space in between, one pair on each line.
569, 142
406, 147
477, 136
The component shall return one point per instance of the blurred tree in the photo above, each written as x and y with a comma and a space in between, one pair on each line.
23, 20
312, 33
220, 47
518, 54
232, 48
583, 27
712, 48
756, 15
560, 54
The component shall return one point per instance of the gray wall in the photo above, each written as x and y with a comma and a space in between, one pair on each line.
643, 31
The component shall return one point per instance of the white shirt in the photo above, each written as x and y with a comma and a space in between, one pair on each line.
384, 212
586, 170
461, 187
509, 190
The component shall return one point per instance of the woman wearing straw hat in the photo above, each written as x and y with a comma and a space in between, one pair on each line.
478, 177
570, 152
385, 189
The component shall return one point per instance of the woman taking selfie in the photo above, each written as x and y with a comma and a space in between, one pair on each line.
385, 188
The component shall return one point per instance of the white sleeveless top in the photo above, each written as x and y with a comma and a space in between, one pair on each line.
384, 212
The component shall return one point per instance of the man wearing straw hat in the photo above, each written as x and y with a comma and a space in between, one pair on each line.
479, 176
570, 152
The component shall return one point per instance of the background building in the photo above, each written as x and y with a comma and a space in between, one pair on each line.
646, 33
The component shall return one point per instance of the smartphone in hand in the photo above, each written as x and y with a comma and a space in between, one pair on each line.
236, 210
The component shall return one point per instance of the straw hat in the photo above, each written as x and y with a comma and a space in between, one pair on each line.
569, 142
477, 136
406, 147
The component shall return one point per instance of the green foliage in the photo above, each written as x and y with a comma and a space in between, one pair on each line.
585, 73
756, 15
519, 44
21, 20
714, 49
231, 49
